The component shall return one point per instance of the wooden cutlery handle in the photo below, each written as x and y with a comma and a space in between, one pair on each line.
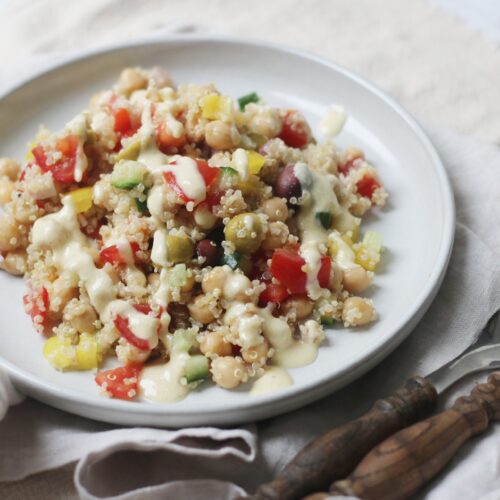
335, 454
399, 466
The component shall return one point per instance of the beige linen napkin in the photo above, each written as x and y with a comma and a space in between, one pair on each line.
214, 463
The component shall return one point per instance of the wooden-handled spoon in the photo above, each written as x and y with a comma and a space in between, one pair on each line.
403, 463
334, 455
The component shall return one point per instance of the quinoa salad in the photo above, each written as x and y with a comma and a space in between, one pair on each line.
173, 235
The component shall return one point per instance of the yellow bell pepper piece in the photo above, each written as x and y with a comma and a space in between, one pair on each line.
82, 199
86, 352
216, 107
59, 353
255, 162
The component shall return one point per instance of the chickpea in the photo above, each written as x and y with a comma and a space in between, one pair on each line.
256, 354
336, 277
214, 343
214, 280
6, 189
131, 79
275, 208
9, 168
266, 124
14, 262
9, 233
276, 236
199, 309
180, 248
245, 232
358, 311
357, 279
228, 372
221, 135
302, 306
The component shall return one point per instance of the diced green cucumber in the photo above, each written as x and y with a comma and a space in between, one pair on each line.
183, 340
325, 219
128, 174
327, 321
247, 99
196, 368
237, 260
229, 171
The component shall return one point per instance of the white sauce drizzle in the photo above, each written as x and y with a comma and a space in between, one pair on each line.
165, 383
72, 252
320, 198
273, 379
240, 162
333, 121
78, 126
188, 177
159, 250
297, 354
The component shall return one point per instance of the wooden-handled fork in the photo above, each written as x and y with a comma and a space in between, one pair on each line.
334, 455
403, 463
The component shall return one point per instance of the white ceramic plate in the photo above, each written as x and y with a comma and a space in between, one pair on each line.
417, 224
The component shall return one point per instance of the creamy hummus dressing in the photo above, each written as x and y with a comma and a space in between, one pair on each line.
318, 197
72, 252
274, 379
333, 121
165, 383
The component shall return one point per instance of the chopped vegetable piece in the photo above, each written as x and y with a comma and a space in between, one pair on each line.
113, 255
62, 169
255, 162
216, 107
123, 123
247, 99
208, 173
82, 199
59, 353
122, 325
369, 250
142, 206
36, 304
229, 171
121, 382
286, 267
294, 131
166, 140
184, 340
367, 185
129, 152
274, 293
86, 352
325, 218
327, 321
128, 174
196, 368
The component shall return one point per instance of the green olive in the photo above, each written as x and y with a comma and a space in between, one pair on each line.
180, 248
245, 232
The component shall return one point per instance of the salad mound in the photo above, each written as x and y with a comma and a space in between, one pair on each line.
185, 235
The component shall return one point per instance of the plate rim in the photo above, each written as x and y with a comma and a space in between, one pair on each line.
282, 400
